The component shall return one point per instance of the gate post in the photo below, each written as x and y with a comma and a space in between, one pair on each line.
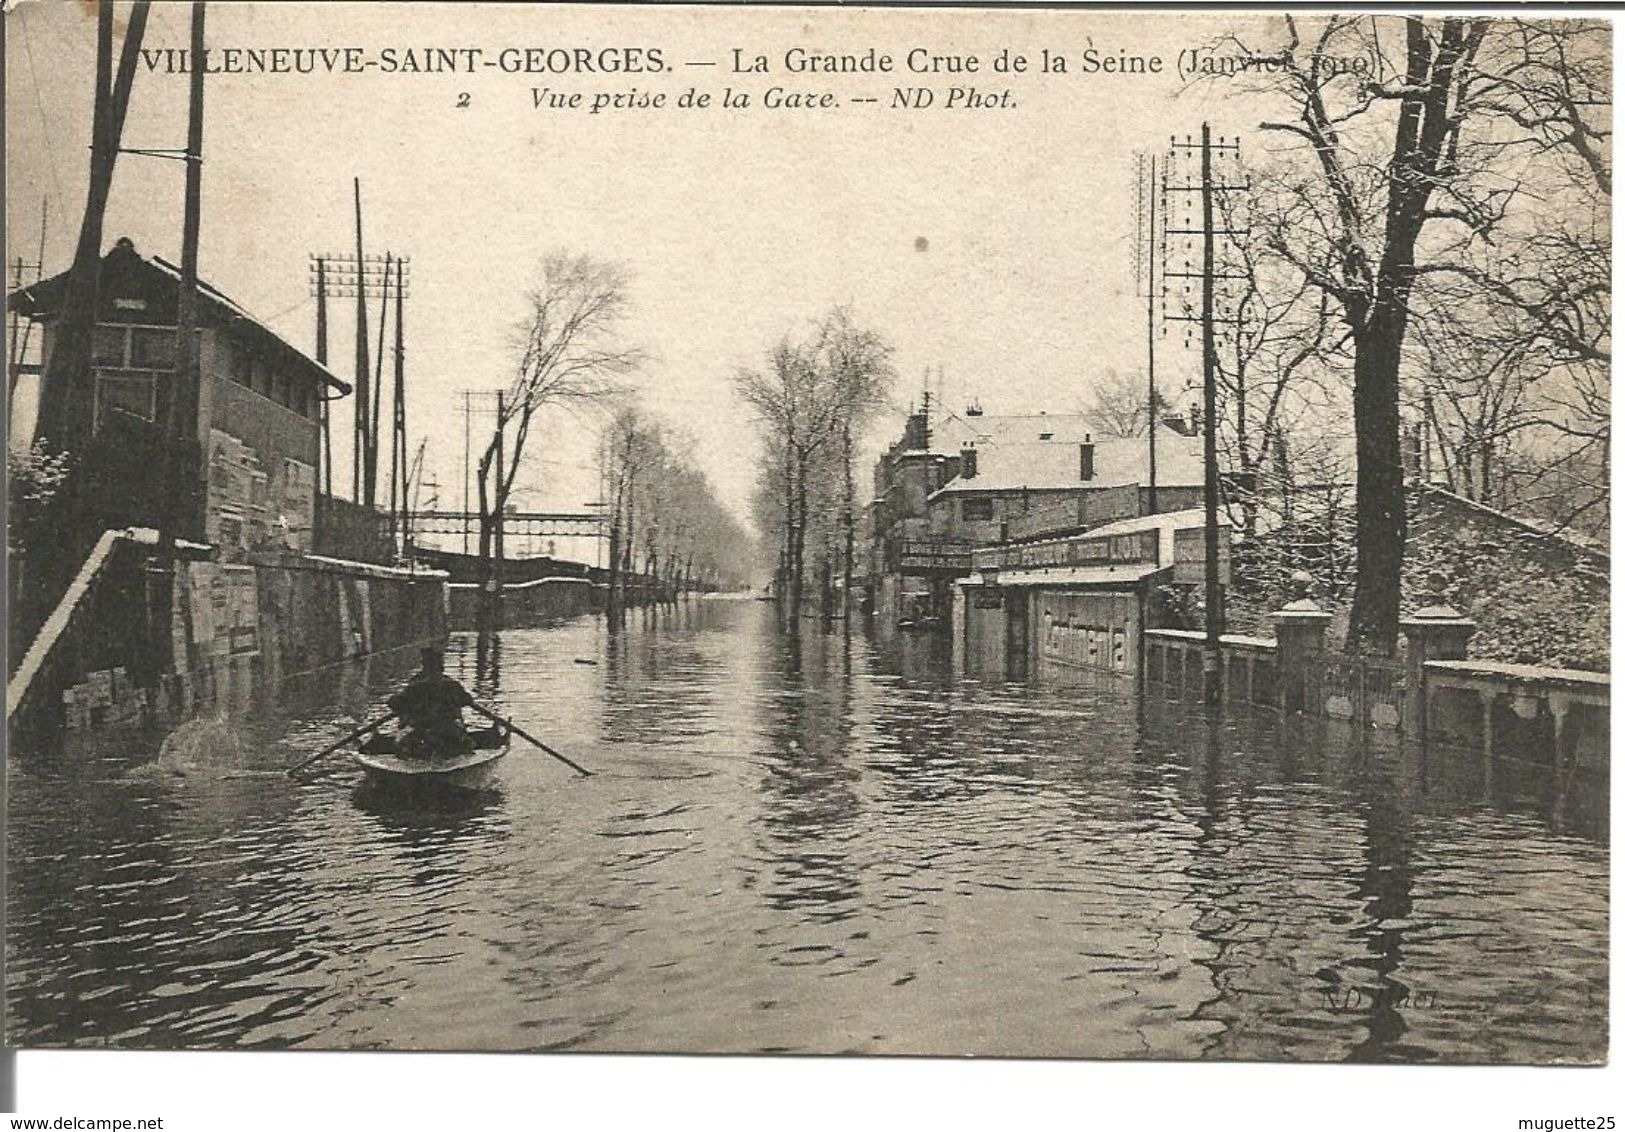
1300, 646
1436, 632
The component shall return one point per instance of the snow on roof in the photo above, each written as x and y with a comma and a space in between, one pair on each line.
1051, 465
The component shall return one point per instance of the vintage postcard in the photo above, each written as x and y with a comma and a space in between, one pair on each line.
1024, 533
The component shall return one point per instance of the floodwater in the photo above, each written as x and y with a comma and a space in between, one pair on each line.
838, 852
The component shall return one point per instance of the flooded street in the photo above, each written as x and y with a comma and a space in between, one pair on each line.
843, 852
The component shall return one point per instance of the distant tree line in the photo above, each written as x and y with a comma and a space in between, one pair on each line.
668, 533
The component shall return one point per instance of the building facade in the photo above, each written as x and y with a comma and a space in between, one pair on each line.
1050, 607
258, 425
970, 480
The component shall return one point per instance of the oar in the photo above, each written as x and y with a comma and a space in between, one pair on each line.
515, 728
356, 734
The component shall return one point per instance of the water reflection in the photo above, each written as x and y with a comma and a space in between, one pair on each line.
828, 847
809, 806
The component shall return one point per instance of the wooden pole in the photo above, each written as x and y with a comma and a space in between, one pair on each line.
356, 734
499, 500
523, 734
66, 385
324, 480
363, 368
185, 498
398, 432
377, 392
1151, 339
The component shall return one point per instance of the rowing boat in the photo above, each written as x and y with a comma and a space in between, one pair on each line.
475, 769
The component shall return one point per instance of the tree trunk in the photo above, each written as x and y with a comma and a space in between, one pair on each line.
782, 593
798, 542
486, 526
1425, 125
626, 553
848, 522
826, 587
1379, 488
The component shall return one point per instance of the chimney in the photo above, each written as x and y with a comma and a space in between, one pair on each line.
967, 463
915, 432
1086, 458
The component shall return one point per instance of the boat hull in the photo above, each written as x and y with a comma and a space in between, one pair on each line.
466, 771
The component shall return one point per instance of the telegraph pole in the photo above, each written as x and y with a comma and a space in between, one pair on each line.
397, 460
378, 390
360, 492
1148, 195
324, 478
1209, 274
185, 498
358, 275
502, 466
1212, 683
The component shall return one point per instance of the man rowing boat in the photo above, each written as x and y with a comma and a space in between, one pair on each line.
430, 709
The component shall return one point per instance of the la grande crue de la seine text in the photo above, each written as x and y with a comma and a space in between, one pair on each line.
586, 60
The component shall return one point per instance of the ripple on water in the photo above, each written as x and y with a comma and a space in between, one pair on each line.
836, 851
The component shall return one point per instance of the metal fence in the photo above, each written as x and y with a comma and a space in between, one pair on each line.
1367, 690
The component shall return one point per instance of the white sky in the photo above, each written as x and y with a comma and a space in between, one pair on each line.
736, 227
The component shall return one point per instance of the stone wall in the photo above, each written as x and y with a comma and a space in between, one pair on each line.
155, 641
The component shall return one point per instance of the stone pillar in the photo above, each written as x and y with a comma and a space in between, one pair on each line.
958, 628
1300, 646
1437, 632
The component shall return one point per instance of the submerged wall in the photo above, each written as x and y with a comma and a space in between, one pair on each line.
245, 629
149, 640
544, 599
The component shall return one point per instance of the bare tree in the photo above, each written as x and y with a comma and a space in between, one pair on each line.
799, 407
860, 368
814, 400
1116, 404
1272, 357
566, 352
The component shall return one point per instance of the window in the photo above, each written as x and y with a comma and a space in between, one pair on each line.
134, 347
128, 361
152, 348
128, 392
280, 392
976, 510
109, 346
